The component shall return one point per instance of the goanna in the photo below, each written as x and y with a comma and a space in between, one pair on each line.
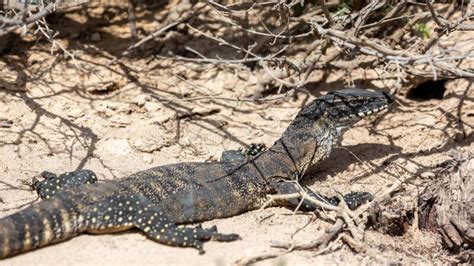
161, 200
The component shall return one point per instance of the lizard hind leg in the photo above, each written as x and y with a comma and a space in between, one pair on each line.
119, 213
52, 183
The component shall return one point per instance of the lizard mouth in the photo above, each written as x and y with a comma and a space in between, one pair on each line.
350, 105
369, 103
354, 116
369, 112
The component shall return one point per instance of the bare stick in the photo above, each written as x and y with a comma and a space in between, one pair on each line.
133, 21
326, 10
18, 21
164, 29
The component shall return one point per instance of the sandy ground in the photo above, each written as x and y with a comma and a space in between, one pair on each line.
60, 114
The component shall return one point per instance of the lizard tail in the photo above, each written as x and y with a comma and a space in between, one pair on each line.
40, 224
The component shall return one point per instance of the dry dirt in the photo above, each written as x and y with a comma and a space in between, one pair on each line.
59, 114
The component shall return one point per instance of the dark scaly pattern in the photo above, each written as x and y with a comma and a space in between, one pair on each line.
158, 201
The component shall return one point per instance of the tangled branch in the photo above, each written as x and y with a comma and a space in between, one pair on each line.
26, 17
342, 38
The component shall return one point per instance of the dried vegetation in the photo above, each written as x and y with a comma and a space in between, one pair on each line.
145, 79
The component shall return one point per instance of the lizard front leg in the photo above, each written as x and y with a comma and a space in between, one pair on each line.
118, 213
352, 199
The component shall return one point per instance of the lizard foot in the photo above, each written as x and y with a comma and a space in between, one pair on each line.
201, 235
52, 183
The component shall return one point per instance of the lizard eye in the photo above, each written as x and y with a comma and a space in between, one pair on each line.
353, 103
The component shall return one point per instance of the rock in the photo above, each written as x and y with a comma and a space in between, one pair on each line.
56, 122
75, 113
11, 80
75, 35
119, 121
95, 37
101, 87
112, 106
118, 147
148, 145
148, 159
164, 116
5, 123
428, 175
201, 110
141, 100
152, 106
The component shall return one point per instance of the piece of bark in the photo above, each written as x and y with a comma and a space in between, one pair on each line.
447, 206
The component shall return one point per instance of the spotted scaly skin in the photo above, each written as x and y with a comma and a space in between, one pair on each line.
160, 200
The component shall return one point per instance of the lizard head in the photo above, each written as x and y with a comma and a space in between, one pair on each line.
319, 125
345, 107
331, 114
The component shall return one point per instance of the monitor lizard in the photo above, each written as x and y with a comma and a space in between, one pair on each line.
161, 201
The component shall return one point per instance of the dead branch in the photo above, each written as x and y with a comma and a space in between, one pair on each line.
19, 21
165, 28
345, 220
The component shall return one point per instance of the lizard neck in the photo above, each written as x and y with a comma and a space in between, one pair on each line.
298, 149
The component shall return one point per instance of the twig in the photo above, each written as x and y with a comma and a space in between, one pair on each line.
434, 15
369, 47
324, 6
18, 21
164, 29
132, 19
344, 218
